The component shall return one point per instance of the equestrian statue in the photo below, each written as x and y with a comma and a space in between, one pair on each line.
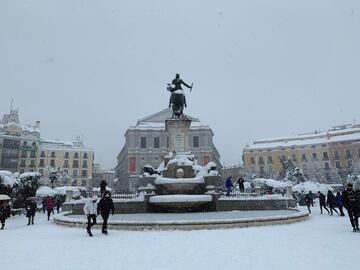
177, 98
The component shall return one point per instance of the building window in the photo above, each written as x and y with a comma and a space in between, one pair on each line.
52, 163
359, 152
270, 160
338, 165
22, 171
336, 154
34, 144
22, 163
84, 173
348, 153
261, 160
66, 163
167, 142
293, 157
252, 160
314, 156
303, 158
41, 171
327, 166
42, 154
196, 141
85, 155
42, 163
53, 154
23, 154
75, 173
143, 142
25, 143
84, 165
66, 155
325, 156
349, 164
32, 164
76, 155
157, 142
75, 164
32, 154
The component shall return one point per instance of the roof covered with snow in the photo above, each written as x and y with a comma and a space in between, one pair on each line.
316, 138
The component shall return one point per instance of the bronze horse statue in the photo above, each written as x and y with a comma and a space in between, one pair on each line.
177, 101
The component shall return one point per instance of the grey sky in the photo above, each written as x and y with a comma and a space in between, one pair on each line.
260, 68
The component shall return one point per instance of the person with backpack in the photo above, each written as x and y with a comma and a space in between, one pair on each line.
105, 206
331, 202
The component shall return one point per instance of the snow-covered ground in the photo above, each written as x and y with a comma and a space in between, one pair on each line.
322, 242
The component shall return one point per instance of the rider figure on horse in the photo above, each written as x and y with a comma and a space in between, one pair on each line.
177, 82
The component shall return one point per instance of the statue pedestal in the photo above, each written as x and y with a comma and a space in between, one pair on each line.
178, 130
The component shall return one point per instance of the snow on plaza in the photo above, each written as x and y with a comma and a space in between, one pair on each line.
322, 241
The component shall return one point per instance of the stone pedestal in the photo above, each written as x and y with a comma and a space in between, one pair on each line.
69, 195
178, 130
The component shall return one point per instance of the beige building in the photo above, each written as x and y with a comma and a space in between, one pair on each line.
333, 151
72, 157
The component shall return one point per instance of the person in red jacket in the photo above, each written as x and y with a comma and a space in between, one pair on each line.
49, 205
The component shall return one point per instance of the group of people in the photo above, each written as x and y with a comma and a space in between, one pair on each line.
229, 185
348, 199
94, 207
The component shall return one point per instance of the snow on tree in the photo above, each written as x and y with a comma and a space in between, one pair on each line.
314, 172
59, 178
25, 187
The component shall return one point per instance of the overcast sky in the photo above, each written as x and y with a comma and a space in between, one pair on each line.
260, 68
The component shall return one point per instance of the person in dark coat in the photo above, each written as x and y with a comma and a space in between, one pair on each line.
58, 204
312, 196
351, 203
105, 206
4, 213
322, 202
229, 185
331, 202
103, 185
339, 203
308, 201
241, 182
30, 208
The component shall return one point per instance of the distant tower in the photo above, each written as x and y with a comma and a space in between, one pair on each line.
12, 117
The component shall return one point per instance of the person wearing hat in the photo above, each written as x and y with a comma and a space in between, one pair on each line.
90, 210
351, 203
104, 207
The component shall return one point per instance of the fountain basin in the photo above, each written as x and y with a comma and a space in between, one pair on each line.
181, 203
168, 186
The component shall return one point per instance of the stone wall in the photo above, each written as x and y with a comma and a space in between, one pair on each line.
251, 205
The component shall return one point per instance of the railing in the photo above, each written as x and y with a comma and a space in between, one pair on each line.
237, 194
118, 194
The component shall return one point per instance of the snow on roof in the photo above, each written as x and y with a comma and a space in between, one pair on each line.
308, 139
63, 145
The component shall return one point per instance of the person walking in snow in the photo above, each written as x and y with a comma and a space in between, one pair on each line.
331, 202
30, 207
49, 205
339, 203
90, 210
58, 204
322, 202
103, 185
241, 182
4, 213
229, 185
308, 201
105, 206
312, 196
351, 203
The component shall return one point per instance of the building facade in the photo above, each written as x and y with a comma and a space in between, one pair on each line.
148, 142
333, 151
100, 174
23, 150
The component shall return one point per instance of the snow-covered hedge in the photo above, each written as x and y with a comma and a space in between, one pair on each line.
314, 187
8, 179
